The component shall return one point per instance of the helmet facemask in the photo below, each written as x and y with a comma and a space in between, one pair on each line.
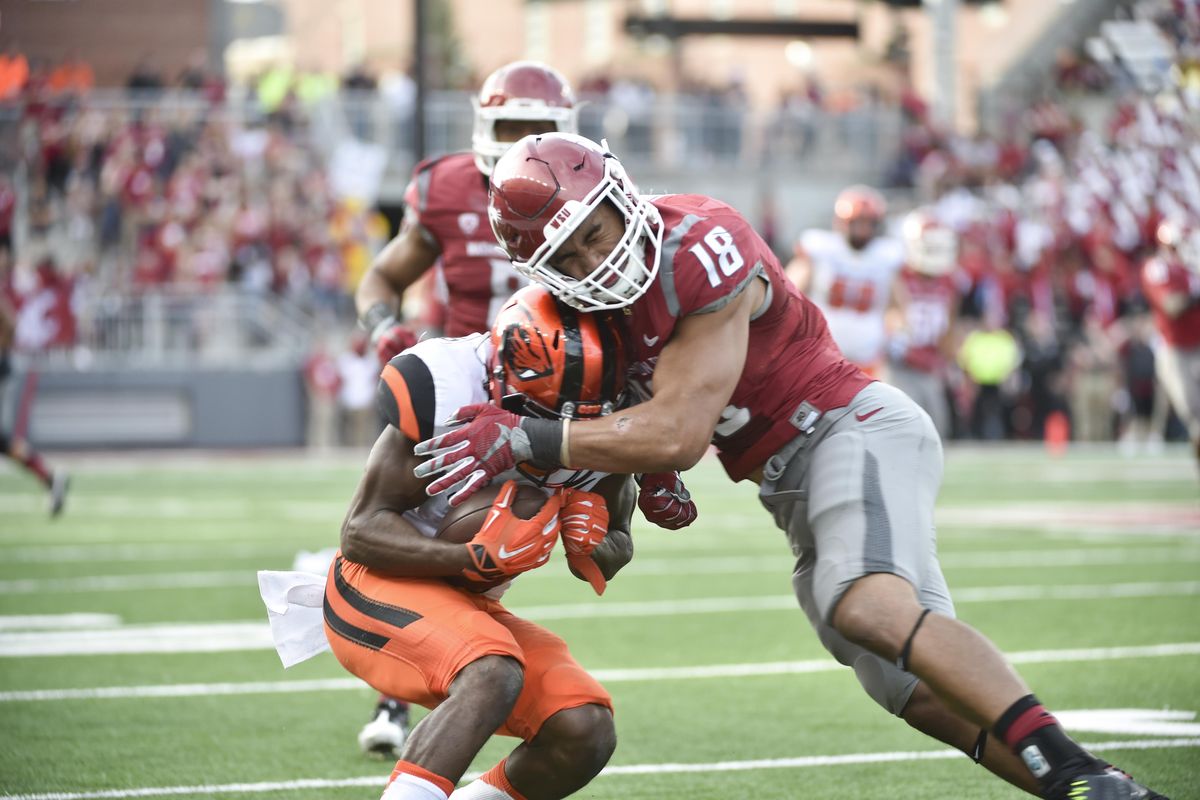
624, 275
488, 149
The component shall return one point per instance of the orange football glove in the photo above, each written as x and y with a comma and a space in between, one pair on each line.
507, 545
584, 526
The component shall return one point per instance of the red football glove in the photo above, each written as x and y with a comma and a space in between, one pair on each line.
390, 338
584, 525
665, 501
507, 545
488, 443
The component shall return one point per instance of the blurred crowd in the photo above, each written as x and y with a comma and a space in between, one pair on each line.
191, 192
1054, 222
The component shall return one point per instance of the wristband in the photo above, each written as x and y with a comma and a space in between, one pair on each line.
564, 450
380, 312
545, 440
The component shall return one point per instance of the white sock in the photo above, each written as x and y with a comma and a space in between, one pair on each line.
479, 790
410, 787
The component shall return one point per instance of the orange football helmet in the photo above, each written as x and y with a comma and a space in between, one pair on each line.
550, 360
858, 213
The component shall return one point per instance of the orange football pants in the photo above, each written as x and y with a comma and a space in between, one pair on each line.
409, 637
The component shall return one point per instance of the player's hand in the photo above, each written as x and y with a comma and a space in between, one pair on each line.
390, 338
507, 545
487, 443
665, 501
584, 525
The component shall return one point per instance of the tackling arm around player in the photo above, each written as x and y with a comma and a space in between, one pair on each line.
849, 467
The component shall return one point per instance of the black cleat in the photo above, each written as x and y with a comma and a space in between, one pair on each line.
1112, 784
59, 483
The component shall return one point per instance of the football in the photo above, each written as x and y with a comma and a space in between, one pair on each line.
462, 523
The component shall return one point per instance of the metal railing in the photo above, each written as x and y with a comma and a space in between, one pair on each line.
180, 328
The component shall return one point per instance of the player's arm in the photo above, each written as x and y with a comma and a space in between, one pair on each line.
799, 269
616, 550
375, 534
895, 315
399, 265
672, 430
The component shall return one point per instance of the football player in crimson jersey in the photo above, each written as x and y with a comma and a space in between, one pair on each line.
921, 350
445, 220
848, 467
420, 619
851, 274
1171, 283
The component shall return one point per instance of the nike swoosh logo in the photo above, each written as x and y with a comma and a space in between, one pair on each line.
649, 340
506, 553
868, 415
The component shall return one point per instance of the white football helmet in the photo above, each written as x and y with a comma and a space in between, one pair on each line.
930, 246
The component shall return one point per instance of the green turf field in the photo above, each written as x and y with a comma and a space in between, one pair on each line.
1085, 569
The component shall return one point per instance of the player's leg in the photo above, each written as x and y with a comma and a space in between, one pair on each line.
426, 642
1179, 376
565, 718
56, 481
873, 487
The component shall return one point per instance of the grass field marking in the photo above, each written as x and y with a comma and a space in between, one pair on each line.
147, 551
799, 762
42, 622
125, 583
629, 675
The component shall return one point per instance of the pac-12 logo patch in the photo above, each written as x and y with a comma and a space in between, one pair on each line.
468, 223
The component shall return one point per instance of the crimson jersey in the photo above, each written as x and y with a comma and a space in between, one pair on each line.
1161, 278
448, 198
931, 302
710, 253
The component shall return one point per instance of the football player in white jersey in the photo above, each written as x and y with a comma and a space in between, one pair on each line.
419, 618
850, 272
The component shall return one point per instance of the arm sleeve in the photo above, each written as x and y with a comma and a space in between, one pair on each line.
405, 396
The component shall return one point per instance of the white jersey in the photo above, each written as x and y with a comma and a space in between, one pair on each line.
852, 288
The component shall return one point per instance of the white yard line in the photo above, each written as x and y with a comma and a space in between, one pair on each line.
799, 762
42, 622
632, 675
250, 635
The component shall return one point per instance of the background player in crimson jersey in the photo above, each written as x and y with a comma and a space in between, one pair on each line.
850, 272
730, 353
12, 443
921, 350
445, 220
1171, 282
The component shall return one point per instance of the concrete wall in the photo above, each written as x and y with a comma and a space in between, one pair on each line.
169, 408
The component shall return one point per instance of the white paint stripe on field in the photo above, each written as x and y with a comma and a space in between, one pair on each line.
149, 551
124, 583
635, 675
800, 762
234, 636
41, 622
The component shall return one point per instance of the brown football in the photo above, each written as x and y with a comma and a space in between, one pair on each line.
462, 522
